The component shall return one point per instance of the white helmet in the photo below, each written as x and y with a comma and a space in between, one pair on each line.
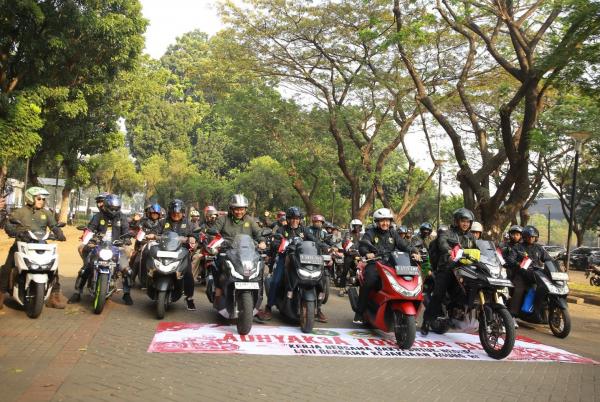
238, 201
355, 222
382, 213
476, 227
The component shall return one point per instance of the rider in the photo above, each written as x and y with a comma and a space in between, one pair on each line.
326, 242
526, 277
292, 229
281, 221
236, 222
350, 243
194, 219
109, 218
376, 242
423, 238
512, 253
477, 230
33, 216
403, 232
151, 225
100, 205
174, 222
457, 235
210, 217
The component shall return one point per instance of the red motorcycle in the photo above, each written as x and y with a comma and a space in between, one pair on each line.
395, 305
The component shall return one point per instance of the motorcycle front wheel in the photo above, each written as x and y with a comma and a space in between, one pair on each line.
498, 336
161, 304
245, 312
100, 293
405, 329
35, 299
559, 320
307, 316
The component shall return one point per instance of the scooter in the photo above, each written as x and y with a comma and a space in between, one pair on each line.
395, 305
593, 274
36, 264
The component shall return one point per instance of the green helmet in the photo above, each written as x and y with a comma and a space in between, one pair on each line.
33, 192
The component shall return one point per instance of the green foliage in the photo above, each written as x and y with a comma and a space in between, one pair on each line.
115, 172
20, 121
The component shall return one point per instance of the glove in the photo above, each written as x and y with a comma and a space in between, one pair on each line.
58, 233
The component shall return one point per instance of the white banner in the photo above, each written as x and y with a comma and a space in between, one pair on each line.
173, 337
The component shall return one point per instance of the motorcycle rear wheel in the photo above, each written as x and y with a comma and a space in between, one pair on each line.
559, 321
245, 312
100, 293
307, 316
35, 299
501, 319
326, 288
405, 329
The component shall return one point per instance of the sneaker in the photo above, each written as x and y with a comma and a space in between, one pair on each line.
265, 315
127, 299
358, 319
424, 328
55, 301
75, 298
342, 293
190, 304
320, 317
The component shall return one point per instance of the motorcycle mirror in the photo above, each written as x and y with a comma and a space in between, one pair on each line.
267, 232
61, 225
117, 243
81, 227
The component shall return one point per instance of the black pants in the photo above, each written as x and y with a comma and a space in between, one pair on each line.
349, 266
443, 280
372, 282
522, 279
188, 279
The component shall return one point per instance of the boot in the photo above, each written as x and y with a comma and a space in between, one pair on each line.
75, 298
56, 301
320, 317
1, 300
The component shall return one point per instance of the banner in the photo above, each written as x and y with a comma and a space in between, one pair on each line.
174, 337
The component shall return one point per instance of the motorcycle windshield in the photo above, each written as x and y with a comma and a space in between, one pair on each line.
170, 241
38, 236
242, 250
308, 248
488, 254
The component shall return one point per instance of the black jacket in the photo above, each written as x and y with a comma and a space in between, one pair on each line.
381, 242
450, 239
101, 222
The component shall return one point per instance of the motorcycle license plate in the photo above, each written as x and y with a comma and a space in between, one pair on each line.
339, 260
559, 276
311, 259
402, 270
246, 285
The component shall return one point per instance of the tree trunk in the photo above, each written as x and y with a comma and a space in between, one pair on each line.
64, 203
579, 234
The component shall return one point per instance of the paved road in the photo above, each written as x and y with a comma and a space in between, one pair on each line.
72, 354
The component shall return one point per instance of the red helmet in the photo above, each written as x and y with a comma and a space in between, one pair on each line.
210, 210
317, 218
280, 214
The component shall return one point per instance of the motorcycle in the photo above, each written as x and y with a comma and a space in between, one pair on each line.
478, 299
104, 260
167, 262
297, 296
36, 264
593, 273
554, 310
241, 281
395, 305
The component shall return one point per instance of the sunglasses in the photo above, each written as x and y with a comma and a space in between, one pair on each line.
40, 198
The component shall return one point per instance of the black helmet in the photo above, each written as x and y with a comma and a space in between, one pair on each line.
441, 229
293, 212
515, 228
328, 225
176, 206
426, 226
402, 229
101, 197
530, 231
461, 213
112, 205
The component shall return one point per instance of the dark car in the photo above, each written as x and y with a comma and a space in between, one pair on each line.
594, 258
555, 251
579, 257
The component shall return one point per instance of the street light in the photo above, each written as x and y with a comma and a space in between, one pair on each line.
579, 137
439, 163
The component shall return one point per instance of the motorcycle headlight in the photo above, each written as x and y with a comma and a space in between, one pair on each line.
309, 274
105, 254
234, 273
401, 289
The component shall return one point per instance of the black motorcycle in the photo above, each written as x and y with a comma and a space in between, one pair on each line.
167, 262
593, 274
297, 296
477, 299
554, 309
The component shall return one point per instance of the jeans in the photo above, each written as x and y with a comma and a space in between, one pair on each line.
276, 278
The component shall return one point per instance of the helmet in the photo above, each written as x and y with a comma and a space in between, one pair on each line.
328, 225
426, 226
515, 228
154, 209
101, 197
194, 213
293, 212
461, 213
280, 214
176, 206
476, 227
402, 229
441, 229
530, 231
317, 218
112, 205
210, 210
238, 201
356, 222
33, 192
382, 213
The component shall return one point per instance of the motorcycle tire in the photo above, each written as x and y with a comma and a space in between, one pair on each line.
326, 289
100, 293
161, 304
440, 327
405, 329
35, 299
307, 316
559, 321
245, 312
501, 318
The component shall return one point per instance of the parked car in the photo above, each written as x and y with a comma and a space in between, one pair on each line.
594, 258
555, 251
579, 257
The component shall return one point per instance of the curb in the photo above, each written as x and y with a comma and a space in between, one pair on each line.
575, 297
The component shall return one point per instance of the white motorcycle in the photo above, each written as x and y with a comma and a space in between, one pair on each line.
36, 264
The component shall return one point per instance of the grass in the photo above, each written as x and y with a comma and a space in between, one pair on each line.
585, 288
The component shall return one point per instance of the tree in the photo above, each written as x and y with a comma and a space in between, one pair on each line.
115, 172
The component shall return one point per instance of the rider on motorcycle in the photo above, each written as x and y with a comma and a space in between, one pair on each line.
403, 232
458, 235
477, 230
292, 229
281, 221
210, 217
349, 261
326, 242
151, 225
423, 238
109, 218
376, 242
33, 216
